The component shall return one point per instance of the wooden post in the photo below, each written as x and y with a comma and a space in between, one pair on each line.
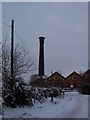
12, 47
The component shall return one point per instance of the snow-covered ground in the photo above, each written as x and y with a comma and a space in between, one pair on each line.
73, 105
0, 107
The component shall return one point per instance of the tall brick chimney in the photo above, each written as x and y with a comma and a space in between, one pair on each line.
41, 56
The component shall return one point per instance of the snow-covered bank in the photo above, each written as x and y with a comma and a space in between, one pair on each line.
73, 105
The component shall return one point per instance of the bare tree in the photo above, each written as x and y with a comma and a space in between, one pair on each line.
22, 62
5, 60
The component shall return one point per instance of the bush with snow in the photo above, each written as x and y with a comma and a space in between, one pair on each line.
41, 94
19, 95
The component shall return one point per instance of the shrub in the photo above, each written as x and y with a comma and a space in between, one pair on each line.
20, 95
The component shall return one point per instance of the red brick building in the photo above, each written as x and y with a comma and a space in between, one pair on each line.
56, 80
86, 77
74, 79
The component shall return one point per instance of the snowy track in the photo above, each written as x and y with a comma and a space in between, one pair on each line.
73, 105
78, 107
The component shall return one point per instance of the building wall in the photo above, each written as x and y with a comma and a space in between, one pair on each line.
57, 80
86, 77
74, 79
38, 83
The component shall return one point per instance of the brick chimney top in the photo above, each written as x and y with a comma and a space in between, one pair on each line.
41, 38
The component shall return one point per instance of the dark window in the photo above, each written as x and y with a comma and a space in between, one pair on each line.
55, 77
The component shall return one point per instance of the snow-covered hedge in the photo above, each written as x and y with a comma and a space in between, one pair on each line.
25, 95
19, 96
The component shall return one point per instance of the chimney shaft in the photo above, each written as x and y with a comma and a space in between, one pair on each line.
41, 56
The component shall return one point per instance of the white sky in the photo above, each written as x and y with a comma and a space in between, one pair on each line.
45, 0
64, 25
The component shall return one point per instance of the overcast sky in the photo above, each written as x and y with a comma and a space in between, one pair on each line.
45, 0
64, 25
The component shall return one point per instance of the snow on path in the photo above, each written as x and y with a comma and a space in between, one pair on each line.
77, 110
73, 105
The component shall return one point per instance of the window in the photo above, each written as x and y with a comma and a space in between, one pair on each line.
55, 77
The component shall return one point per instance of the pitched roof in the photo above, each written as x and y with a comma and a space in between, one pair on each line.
55, 74
73, 74
87, 72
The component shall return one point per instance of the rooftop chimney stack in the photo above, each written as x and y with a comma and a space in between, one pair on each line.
41, 56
